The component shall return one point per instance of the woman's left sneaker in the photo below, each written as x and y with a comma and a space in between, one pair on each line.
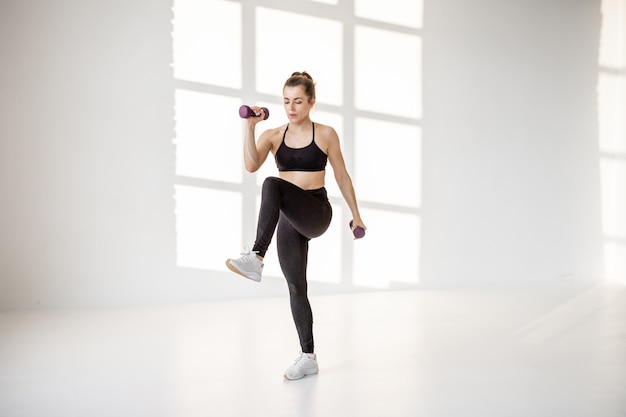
305, 364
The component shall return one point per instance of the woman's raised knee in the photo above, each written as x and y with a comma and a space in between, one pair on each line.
271, 183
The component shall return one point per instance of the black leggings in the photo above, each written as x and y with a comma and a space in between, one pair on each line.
300, 216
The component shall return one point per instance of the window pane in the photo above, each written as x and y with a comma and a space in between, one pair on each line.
207, 42
207, 221
613, 34
388, 72
388, 234
400, 12
613, 177
612, 113
208, 136
282, 47
388, 159
615, 262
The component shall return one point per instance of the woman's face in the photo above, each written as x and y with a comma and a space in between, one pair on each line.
297, 104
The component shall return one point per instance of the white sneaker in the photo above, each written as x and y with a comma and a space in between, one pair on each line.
305, 364
248, 265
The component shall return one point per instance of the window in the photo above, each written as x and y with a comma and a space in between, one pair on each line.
365, 57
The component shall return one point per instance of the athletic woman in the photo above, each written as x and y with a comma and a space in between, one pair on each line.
295, 204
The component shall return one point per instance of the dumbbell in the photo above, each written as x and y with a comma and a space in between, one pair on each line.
358, 231
246, 111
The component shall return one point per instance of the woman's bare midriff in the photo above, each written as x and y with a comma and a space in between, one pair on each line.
304, 179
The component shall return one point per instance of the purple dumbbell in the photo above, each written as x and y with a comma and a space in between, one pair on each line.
246, 111
358, 231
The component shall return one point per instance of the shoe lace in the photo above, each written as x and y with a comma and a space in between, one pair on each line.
249, 255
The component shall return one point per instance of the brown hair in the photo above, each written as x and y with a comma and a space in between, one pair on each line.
304, 80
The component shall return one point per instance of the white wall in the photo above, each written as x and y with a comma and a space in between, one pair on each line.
87, 157
510, 179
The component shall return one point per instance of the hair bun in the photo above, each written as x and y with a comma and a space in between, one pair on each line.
302, 74
304, 80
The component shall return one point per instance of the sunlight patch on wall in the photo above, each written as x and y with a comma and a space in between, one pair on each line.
321, 55
388, 256
613, 174
213, 192
612, 39
388, 72
204, 30
612, 136
611, 111
389, 174
208, 137
399, 12
207, 221
615, 262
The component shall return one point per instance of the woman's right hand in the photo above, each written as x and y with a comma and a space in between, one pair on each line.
253, 120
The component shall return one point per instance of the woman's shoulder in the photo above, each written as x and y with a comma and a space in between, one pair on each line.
325, 134
324, 130
326, 137
274, 132
273, 136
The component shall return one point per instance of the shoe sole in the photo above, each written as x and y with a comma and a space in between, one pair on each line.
236, 271
305, 374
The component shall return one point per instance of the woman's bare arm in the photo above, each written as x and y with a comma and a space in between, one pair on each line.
255, 152
342, 177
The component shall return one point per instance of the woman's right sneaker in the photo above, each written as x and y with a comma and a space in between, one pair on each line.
248, 265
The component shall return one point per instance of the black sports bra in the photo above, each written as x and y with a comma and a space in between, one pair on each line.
310, 158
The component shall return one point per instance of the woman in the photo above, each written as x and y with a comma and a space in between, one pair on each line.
295, 204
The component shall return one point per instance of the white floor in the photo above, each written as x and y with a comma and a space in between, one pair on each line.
526, 352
